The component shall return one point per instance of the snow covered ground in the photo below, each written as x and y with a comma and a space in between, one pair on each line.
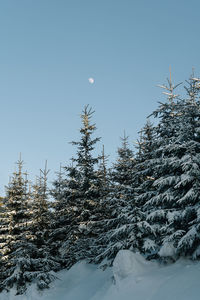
130, 278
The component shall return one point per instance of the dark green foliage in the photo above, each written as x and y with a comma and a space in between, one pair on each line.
79, 197
171, 193
122, 229
25, 254
15, 233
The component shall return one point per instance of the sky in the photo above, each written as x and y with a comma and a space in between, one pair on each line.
49, 49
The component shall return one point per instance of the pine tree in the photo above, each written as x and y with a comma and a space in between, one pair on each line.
171, 197
183, 231
80, 195
122, 177
15, 234
121, 230
58, 192
99, 226
103, 177
66, 213
156, 171
90, 210
40, 201
85, 162
143, 184
26, 254
44, 261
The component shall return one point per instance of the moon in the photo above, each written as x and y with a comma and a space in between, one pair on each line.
91, 80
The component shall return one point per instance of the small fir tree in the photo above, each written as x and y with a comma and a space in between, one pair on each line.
15, 234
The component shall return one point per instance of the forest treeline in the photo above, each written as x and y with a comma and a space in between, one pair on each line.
148, 201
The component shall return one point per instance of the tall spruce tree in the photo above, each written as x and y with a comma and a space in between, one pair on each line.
183, 231
171, 200
157, 170
89, 205
81, 194
85, 162
122, 227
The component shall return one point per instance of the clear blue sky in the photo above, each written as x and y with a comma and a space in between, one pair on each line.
49, 49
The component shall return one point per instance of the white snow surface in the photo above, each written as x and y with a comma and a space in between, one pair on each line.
130, 278
167, 250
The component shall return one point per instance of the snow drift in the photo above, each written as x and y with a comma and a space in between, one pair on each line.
131, 277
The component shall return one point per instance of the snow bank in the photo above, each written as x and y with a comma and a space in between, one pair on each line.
167, 250
130, 278
82, 282
128, 263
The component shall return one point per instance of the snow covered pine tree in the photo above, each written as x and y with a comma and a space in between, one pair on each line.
79, 196
15, 234
172, 198
25, 255
121, 227
44, 261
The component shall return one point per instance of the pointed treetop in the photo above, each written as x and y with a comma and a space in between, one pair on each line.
193, 87
86, 115
18, 173
20, 163
124, 140
170, 88
45, 171
60, 174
